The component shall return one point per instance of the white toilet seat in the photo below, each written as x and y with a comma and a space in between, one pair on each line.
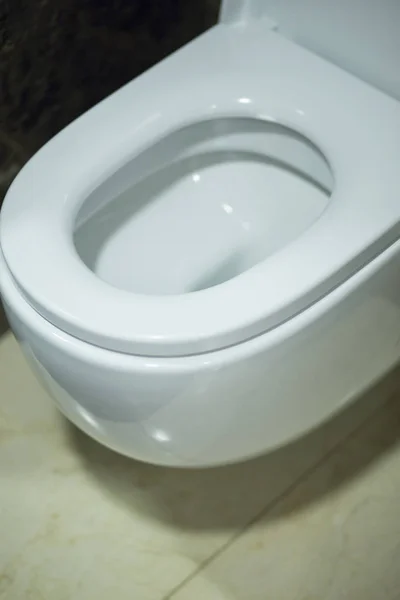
356, 127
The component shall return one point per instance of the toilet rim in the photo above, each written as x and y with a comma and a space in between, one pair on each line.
36, 236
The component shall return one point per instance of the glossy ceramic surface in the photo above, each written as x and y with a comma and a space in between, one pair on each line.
318, 307
220, 197
360, 36
228, 405
356, 127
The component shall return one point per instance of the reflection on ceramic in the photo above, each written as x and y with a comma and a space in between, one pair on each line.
219, 196
226, 405
210, 267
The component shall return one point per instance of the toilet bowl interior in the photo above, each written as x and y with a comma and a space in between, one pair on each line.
203, 204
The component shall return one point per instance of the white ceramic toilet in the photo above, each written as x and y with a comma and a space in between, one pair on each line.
206, 265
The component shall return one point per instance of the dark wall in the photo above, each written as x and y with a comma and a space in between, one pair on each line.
60, 57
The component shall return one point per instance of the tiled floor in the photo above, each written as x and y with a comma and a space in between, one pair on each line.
318, 519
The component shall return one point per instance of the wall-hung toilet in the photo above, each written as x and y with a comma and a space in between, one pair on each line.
206, 265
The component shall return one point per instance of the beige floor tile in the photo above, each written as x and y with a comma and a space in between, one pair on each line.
335, 536
79, 521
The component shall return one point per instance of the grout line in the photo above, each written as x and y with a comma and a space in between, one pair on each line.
273, 503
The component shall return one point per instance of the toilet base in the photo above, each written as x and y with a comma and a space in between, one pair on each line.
229, 405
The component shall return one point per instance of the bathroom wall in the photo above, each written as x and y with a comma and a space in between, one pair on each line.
59, 58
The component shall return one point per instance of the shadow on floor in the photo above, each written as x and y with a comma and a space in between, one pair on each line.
3, 322
231, 497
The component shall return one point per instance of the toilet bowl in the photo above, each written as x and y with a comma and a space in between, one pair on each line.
206, 265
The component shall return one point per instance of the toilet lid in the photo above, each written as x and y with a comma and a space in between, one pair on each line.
228, 71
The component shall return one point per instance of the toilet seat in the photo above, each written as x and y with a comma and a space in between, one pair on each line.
355, 126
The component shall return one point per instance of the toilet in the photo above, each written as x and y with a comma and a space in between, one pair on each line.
206, 265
